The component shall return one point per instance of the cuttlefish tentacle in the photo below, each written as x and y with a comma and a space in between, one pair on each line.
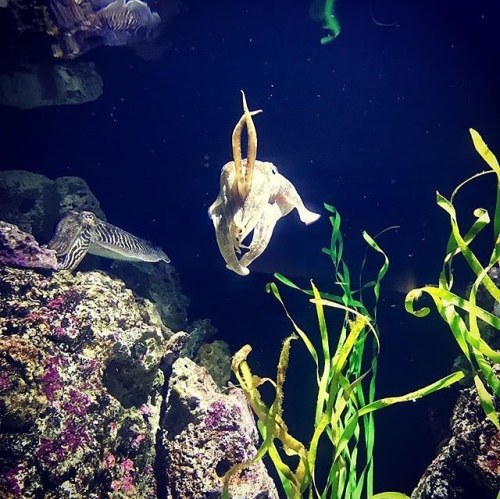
73, 237
244, 176
262, 234
69, 230
226, 243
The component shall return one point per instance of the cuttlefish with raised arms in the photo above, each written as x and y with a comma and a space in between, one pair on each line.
253, 197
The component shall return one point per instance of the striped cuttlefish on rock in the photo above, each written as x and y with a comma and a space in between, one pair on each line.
81, 232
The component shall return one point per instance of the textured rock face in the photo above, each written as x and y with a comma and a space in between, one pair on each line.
216, 358
80, 386
160, 284
84, 406
469, 465
205, 434
35, 203
20, 249
37, 85
84, 370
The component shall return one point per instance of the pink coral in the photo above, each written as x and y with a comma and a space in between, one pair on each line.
145, 410
136, 442
127, 465
126, 483
108, 461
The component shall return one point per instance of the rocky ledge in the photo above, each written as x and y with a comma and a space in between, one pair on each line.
93, 402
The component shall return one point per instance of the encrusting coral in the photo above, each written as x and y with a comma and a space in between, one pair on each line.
205, 434
19, 249
80, 386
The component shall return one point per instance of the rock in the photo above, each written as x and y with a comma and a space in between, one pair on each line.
199, 332
35, 203
173, 350
28, 15
20, 249
469, 465
73, 193
80, 386
49, 84
95, 401
215, 357
205, 433
160, 284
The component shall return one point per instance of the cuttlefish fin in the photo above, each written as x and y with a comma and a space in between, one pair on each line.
244, 176
287, 198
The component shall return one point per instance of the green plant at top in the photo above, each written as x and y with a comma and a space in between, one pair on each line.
343, 415
324, 11
464, 316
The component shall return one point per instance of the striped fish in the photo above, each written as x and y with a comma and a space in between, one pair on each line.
81, 232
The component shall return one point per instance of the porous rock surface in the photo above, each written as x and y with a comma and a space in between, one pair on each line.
469, 465
205, 433
19, 249
80, 386
36, 203
216, 358
47, 84
160, 284
93, 402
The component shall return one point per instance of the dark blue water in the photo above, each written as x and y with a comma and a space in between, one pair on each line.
374, 123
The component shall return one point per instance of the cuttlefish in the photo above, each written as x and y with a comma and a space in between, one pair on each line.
81, 232
253, 197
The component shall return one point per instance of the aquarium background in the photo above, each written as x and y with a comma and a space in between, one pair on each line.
374, 123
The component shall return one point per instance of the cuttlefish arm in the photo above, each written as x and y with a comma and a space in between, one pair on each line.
73, 237
225, 241
221, 212
261, 234
234, 220
244, 173
247, 214
284, 199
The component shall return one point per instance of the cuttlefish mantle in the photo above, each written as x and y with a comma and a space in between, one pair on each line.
253, 196
81, 232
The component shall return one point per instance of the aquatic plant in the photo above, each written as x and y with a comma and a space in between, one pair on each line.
343, 417
324, 12
463, 315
